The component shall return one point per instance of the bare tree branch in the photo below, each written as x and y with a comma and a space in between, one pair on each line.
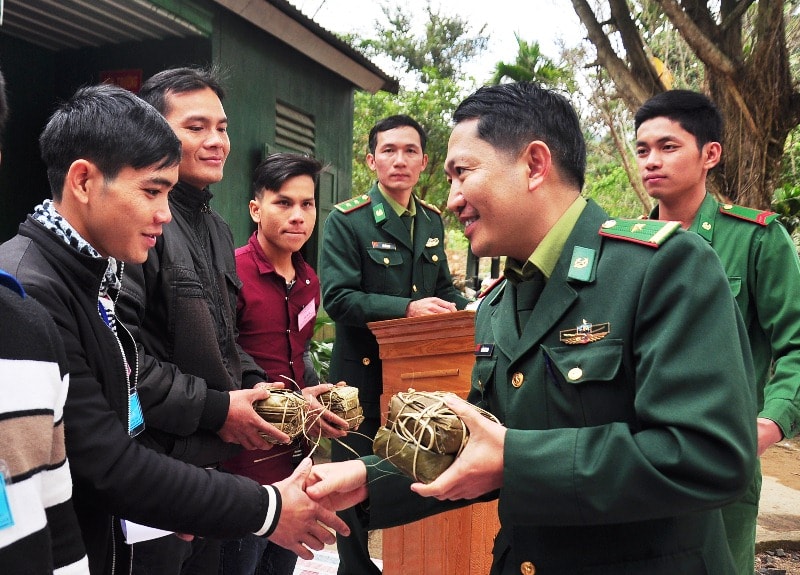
640, 65
700, 43
736, 14
632, 93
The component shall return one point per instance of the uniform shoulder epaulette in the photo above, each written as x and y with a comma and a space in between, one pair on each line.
431, 207
651, 233
760, 217
352, 204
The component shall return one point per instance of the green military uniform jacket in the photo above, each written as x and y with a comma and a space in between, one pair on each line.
764, 274
630, 406
370, 271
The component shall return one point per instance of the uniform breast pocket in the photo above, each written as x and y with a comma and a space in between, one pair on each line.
588, 387
384, 272
432, 258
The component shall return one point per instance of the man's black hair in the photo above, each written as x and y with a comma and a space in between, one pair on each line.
275, 169
392, 122
112, 128
693, 111
510, 116
179, 81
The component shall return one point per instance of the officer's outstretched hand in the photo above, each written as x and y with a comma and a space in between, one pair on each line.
243, 424
479, 468
304, 523
339, 485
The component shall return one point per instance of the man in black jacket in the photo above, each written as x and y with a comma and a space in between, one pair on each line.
111, 161
181, 305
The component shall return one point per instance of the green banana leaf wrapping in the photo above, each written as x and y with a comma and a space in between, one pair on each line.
284, 409
422, 436
343, 401
416, 462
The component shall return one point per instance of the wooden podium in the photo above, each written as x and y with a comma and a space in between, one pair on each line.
434, 353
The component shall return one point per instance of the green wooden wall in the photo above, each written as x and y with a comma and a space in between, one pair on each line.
260, 71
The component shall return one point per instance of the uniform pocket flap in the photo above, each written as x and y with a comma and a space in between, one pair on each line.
386, 257
589, 362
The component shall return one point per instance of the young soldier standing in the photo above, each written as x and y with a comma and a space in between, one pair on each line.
678, 135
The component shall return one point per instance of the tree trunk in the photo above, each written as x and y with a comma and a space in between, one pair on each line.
744, 52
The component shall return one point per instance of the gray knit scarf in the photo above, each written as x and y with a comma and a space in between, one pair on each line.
46, 214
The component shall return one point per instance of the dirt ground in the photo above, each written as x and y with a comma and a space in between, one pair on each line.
783, 463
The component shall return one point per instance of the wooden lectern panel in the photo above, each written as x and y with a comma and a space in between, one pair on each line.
434, 353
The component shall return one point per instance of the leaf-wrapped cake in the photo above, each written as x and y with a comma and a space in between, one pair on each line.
342, 400
422, 436
286, 410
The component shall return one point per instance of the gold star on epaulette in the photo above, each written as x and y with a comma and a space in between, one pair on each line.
651, 233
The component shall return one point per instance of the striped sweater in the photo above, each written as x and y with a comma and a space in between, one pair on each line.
44, 536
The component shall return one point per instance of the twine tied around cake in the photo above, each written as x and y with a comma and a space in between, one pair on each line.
290, 412
422, 436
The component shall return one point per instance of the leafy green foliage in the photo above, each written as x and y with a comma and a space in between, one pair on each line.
609, 186
531, 65
441, 52
321, 346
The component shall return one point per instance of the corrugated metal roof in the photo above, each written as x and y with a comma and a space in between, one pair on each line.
64, 24
68, 24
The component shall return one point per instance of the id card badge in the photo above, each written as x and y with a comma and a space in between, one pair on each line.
135, 414
306, 314
6, 518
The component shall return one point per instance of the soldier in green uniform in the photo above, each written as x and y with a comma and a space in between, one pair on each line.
678, 136
382, 257
623, 381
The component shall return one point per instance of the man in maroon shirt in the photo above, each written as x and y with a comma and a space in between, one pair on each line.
276, 313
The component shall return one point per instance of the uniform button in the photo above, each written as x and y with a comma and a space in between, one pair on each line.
706, 226
414, 288
517, 379
609, 224
435, 258
365, 361
527, 568
575, 374
386, 261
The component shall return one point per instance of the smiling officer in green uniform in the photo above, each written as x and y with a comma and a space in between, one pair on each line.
622, 379
382, 258
677, 142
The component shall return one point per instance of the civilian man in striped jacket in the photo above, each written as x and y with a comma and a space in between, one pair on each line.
38, 530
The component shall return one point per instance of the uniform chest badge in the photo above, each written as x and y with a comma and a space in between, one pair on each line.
432, 242
585, 333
